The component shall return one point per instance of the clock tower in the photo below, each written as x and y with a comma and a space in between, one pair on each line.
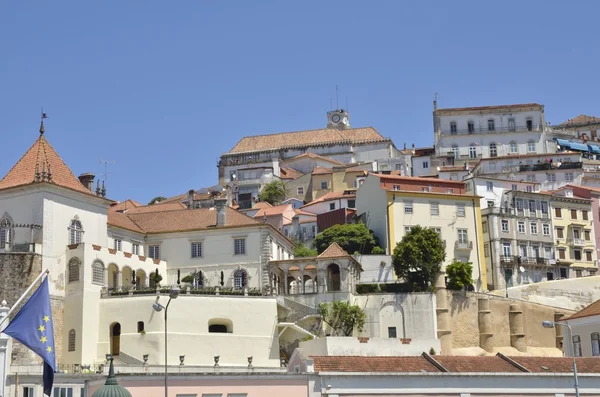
339, 119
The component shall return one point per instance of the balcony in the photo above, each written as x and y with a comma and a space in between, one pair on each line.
463, 245
509, 260
486, 130
578, 242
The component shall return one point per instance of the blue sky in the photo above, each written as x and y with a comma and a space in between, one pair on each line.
163, 88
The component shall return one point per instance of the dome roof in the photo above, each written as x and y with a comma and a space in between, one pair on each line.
111, 387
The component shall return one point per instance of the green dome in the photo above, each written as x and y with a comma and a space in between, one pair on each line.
111, 387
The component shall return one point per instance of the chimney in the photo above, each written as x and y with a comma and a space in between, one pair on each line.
190, 199
295, 226
221, 207
87, 180
228, 196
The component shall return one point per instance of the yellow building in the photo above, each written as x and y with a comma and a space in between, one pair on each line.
337, 179
572, 218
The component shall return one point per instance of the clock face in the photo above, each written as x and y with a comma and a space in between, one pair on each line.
345, 121
335, 118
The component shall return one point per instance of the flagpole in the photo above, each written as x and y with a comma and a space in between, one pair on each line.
25, 294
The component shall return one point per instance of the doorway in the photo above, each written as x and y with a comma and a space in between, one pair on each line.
508, 273
115, 339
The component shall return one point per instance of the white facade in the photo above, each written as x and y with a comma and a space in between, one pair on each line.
491, 189
330, 204
585, 339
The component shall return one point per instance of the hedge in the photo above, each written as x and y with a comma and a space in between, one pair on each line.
362, 289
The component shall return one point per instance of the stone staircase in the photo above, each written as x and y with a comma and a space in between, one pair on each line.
299, 314
297, 310
126, 359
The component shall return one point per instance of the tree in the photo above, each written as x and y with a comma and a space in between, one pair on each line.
303, 251
418, 257
351, 237
460, 275
157, 199
342, 317
273, 192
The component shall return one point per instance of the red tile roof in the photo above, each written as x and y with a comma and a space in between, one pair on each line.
372, 364
306, 139
475, 364
590, 310
333, 251
124, 205
331, 196
273, 210
558, 364
477, 108
314, 156
42, 156
581, 119
322, 171
289, 173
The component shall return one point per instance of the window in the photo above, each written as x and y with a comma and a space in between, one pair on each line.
491, 125
239, 246
596, 344
426, 189
98, 272
504, 225
351, 203
544, 206
562, 253
546, 229
573, 214
118, 244
584, 215
471, 127
486, 250
75, 231
531, 146
72, 340
453, 128
392, 332
490, 203
511, 125
324, 185
530, 189
576, 234
472, 151
533, 227
154, 251
529, 124
521, 227
558, 212
455, 151
462, 236
489, 186
460, 210
240, 278
5, 232
407, 229
548, 252
449, 191
513, 147
514, 187
493, 150
408, 207
532, 207
28, 391
586, 235
506, 249
577, 345
519, 203
425, 164
237, 395
434, 209
551, 177
74, 264
331, 206
396, 187
135, 248
300, 190
578, 273
62, 392
140, 327
577, 254
531, 178
484, 227
569, 177
588, 256
197, 250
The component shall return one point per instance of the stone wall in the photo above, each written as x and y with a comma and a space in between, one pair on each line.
17, 272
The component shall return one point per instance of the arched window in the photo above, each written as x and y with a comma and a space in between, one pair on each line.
75, 231
596, 344
140, 326
5, 232
72, 340
74, 265
513, 147
577, 345
493, 150
240, 279
455, 151
98, 272
472, 151
220, 325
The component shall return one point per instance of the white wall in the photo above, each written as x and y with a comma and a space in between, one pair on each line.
421, 165
371, 201
351, 346
325, 206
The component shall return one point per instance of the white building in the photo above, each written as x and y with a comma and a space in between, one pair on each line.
491, 189
488, 131
585, 340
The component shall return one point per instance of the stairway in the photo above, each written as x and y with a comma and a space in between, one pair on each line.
126, 359
298, 310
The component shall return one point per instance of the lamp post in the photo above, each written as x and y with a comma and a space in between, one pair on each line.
158, 307
552, 324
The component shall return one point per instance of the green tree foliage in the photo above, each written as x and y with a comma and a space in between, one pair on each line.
302, 251
342, 317
352, 238
156, 278
418, 257
157, 199
460, 275
273, 192
377, 251
188, 279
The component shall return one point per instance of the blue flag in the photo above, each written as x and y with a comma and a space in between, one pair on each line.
32, 326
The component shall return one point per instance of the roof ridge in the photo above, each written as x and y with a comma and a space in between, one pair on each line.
312, 129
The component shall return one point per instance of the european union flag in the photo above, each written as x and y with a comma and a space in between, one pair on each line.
32, 326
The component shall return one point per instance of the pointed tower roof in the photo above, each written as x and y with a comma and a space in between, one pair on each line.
111, 387
39, 164
333, 251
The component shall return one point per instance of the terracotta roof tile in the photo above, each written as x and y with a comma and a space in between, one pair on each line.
262, 204
273, 210
333, 251
306, 138
581, 119
124, 205
372, 364
289, 173
314, 156
476, 108
122, 220
302, 212
322, 171
158, 207
590, 310
331, 196
558, 364
475, 364
41, 155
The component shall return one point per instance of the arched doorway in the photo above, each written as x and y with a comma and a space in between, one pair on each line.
127, 274
140, 278
113, 273
115, 339
333, 277
309, 285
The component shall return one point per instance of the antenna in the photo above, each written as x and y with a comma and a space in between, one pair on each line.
106, 173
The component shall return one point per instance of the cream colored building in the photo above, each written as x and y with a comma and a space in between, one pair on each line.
391, 205
585, 324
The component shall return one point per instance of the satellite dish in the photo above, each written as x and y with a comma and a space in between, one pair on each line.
521, 269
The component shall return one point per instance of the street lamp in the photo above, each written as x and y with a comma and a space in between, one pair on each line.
158, 307
552, 324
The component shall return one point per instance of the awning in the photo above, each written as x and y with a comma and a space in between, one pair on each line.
562, 142
594, 149
579, 146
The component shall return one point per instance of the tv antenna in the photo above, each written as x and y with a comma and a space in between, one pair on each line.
106, 163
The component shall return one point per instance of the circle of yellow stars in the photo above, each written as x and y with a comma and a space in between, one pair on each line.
42, 329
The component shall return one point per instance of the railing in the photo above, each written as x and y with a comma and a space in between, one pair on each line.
550, 166
487, 130
576, 241
463, 245
509, 259
215, 291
